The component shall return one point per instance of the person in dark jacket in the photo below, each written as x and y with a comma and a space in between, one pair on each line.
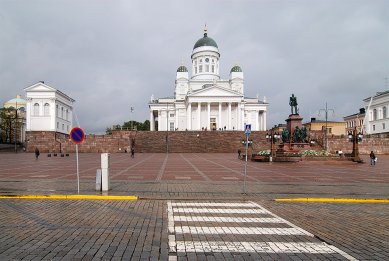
372, 158
37, 153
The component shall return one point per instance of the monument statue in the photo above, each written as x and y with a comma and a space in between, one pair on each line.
293, 104
297, 135
285, 136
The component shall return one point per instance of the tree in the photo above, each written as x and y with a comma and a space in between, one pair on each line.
130, 125
7, 123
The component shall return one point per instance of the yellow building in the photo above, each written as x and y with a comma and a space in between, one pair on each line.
333, 127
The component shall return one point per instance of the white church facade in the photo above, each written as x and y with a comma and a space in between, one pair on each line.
204, 101
48, 109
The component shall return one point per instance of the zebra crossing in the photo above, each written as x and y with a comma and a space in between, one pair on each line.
239, 230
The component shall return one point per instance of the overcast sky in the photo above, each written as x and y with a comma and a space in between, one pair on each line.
113, 55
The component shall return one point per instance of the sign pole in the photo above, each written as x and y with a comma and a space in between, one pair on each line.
77, 135
78, 174
247, 132
245, 166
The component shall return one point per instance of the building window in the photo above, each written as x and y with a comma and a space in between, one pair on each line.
383, 126
171, 115
57, 125
46, 109
207, 60
195, 70
63, 126
373, 127
67, 114
56, 110
36, 109
213, 68
171, 126
67, 128
384, 113
62, 112
200, 69
374, 114
207, 68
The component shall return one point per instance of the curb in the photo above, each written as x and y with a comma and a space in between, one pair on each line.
69, 197
332, 200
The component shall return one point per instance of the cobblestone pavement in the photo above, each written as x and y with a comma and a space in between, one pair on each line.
192, 208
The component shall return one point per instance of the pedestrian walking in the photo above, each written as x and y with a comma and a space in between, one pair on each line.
239, 152
373, 158
37, 153
132, 152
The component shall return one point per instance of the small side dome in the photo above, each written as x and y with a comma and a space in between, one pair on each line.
236, 68
182, 68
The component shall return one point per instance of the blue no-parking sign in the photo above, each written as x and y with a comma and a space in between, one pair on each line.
77, 135
247, 129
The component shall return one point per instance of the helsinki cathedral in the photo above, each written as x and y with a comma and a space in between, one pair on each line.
203, 101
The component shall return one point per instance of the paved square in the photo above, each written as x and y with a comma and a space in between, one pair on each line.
192, 208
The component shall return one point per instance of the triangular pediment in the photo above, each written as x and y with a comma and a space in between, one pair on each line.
215, 91
39, 87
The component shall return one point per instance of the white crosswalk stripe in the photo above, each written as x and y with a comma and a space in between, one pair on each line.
253, 221
240, 230
227, 219
221, 210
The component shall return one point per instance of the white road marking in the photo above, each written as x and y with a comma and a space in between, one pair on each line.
240, 230
221, 210
211, 204
227, 219
186, 212
258, 247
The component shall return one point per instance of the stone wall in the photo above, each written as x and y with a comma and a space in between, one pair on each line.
377, 143
186, 142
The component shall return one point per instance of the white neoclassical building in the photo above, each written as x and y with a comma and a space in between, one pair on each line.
377, 113
204, 101
48, 109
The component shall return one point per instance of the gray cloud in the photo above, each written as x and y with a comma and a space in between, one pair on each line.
111, 55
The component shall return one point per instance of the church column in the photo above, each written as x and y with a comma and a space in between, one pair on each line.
257, 121
264, 120
152, 121
243, 119
209, 116
199, 115
261, 120
189, 117
238, 120
176, 117
229, 116
219, 125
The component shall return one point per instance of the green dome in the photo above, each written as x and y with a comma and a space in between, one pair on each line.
205, 41
236, 68
182, 68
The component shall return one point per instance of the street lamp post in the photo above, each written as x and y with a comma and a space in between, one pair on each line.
15, 125
131, 122
355, 138
273, 137
167, 128
326, 110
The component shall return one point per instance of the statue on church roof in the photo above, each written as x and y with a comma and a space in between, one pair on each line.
293, 104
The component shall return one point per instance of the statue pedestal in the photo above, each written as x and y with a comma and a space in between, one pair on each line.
294, 121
